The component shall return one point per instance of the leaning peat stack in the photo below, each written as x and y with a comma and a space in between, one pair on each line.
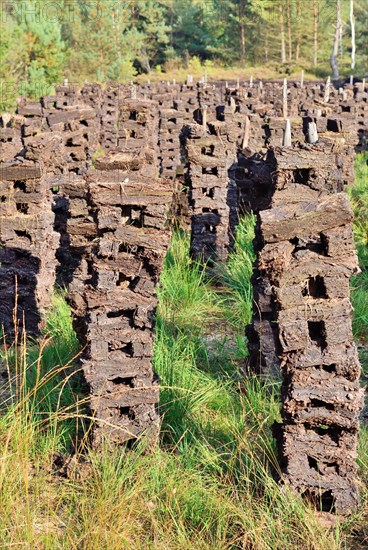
129, 247
305, 258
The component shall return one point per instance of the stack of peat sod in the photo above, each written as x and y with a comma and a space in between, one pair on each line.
27, 245
128, 252
171, 123
109, 116
305, 257
211, 195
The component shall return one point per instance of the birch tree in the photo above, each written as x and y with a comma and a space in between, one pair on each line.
335, 49
315, 32
352, 26
282, 34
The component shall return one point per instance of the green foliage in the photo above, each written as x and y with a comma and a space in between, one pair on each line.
42, 42
236, 276
184, 297
104, 42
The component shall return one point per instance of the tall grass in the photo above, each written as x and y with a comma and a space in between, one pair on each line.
359, 288
237, 276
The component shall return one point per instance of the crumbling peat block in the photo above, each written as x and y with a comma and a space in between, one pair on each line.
124, 264
302, 319
10, 137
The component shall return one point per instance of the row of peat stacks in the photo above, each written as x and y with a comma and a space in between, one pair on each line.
84, 193
302, 318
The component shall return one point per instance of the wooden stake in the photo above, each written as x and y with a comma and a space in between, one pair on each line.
204, 116
312, 134
286, 141
246, 135
351, 80
302, 80
326, 98
251, 81
232, 104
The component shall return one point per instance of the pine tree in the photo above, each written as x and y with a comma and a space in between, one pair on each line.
103, 43
43, 51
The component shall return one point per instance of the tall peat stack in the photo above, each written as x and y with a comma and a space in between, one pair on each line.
27, 245
210, 193
305, 258
129, 248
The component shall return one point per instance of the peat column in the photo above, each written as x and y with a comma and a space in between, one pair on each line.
305, 257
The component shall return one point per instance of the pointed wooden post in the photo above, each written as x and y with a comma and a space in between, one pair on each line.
246, 135
237, 83
232, 104
326, 98
312, 134
302, 80
133, 91
286, 141
251, 81
351, 80
363, 85
204, 117
260, 85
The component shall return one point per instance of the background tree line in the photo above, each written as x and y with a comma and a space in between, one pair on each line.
44, 41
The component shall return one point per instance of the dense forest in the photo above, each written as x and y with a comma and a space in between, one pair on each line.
44, 41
